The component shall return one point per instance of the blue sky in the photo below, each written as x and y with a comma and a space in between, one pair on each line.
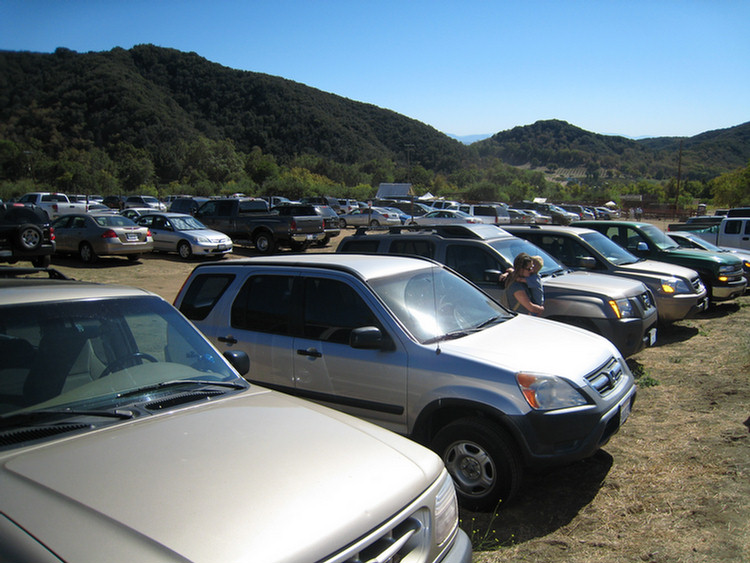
634, 68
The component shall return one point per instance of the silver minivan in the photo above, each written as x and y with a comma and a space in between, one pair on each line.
407, 344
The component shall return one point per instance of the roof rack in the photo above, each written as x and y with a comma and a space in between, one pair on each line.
447, 231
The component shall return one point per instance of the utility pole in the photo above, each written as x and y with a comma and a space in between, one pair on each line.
679, 177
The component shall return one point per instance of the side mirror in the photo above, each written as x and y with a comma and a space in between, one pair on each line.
239, 360
642, 247
367, 338
492, 276
588, 262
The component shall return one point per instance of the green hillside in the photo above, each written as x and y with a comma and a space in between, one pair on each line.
161, 119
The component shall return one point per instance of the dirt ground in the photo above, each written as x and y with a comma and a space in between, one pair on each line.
672, 486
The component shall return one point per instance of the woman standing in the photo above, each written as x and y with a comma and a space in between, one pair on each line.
516, 291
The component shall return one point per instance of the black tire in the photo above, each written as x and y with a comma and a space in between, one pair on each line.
483, 461
41, 261
374, 223
342, 224
184, 250
264, 243
29, 237
323, 242
86, 253
133, 257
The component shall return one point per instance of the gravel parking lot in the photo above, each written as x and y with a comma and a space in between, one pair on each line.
672, 486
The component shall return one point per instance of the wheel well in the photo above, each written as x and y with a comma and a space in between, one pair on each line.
442, 413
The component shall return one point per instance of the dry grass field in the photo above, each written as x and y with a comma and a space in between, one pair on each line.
672, 486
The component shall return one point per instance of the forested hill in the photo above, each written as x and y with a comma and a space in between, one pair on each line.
152, 104
150, 97
558, 144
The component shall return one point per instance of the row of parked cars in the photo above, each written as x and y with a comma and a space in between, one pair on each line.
400, 328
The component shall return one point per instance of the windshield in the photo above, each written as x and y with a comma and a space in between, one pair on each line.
612, 251
510, 248
703, 244
187, 224
658, 237
434, 304
83, 354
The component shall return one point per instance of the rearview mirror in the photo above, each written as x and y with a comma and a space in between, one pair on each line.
366, 337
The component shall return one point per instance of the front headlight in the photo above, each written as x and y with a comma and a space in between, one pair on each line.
547, 392
623, 308
673, 285
202, 240
446, 511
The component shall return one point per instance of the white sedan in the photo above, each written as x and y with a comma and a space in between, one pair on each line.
184, 234
444, 217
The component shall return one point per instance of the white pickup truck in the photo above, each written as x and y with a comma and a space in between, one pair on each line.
54, 204
731, 232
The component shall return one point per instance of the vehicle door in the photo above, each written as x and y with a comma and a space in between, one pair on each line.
162, 232
735, 233
256, 318
217, 214
472, 261
368, 383
63, 239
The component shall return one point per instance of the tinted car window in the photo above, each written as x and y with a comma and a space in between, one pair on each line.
332, 310
470, 261
203, 294
413, 247
365, 246
264, 304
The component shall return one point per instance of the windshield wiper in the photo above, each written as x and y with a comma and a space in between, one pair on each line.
177, 382
491, 321
36, 417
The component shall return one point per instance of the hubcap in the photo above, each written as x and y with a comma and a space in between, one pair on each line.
471, 467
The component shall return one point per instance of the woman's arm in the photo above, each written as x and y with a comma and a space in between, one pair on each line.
523, 298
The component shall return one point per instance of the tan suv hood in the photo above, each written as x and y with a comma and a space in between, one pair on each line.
151, 489
659, 269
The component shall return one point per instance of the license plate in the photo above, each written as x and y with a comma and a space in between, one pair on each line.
132, 237
652, 337
221, 247
624, 411
312, 237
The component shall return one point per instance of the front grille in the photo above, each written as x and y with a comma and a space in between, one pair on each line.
647, 300
697, 284
398, 541
605, 379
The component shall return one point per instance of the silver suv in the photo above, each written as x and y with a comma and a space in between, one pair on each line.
126, 436
621, 310
408, 344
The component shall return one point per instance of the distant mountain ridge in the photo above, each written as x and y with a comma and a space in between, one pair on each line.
555, 143
153, 98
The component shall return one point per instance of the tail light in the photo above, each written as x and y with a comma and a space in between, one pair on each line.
109, 233
293, 225
51, 233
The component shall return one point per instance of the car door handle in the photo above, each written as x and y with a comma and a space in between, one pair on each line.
310, 352
227, 339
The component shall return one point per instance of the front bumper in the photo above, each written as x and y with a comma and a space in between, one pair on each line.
682, 306
568, 435
730, 291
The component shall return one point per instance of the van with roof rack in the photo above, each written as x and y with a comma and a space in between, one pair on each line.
621, 310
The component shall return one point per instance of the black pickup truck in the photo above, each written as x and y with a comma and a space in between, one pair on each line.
249, 219
25, 234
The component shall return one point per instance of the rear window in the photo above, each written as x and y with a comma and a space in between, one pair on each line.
363, 246
203, 294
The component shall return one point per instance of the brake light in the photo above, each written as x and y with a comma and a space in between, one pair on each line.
293, 225
109, 233
54, 207
51, 233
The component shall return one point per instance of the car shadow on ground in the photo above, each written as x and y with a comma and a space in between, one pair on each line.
101, 262
547, 501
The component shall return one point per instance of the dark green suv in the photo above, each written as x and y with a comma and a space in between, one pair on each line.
721, 273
